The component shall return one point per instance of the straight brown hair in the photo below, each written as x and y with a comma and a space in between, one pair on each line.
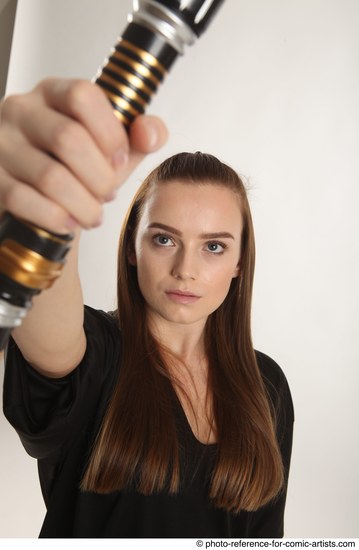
137, 445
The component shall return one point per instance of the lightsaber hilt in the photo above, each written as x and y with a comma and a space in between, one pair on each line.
158, 31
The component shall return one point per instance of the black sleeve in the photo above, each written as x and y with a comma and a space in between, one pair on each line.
268, 521
48, 412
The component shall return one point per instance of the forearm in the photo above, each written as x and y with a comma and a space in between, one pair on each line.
51, 337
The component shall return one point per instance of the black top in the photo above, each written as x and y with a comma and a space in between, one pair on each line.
57, 419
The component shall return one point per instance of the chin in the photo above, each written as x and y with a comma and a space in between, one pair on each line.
181, 317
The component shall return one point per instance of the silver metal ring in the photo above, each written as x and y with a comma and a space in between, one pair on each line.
11, 316
161, 20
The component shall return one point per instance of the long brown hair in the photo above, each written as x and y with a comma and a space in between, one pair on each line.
137, 445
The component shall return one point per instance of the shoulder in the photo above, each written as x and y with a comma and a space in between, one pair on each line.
103, 337
102, 320
101, 328
276, 384
270, 370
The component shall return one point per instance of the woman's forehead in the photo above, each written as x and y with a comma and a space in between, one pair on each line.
192, 204
203, 190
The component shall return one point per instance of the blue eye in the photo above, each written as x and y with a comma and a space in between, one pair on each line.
216, 248
162, 240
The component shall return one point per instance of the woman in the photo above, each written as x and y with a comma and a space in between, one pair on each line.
157, 420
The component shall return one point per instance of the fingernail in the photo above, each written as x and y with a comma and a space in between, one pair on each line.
152, 135
98, 222
120, 158
71, 223
110, 197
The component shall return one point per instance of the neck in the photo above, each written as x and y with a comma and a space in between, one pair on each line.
186, 342
188, 365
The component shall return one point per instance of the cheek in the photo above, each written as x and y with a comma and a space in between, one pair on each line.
220, 274
149, 272
217, 288
145, 281
144, 270
223, 285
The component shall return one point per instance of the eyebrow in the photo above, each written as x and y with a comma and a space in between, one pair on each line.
217, 235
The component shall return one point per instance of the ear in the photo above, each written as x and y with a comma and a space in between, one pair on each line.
131, 256
236, 272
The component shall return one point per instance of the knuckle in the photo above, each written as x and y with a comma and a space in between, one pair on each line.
11, 107
87, 101
45, 84
77, 94
56, 215
48, 178
66, 135
11, 198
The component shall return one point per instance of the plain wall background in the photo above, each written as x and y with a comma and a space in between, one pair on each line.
272, 88
7, 19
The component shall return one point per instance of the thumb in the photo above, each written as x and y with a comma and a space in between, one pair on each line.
147, 134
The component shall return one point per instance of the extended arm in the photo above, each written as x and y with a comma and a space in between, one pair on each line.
63, 154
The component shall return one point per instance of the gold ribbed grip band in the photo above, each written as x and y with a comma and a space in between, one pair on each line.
27, 267
129, 78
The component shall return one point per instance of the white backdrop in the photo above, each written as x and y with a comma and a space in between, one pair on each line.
272, 88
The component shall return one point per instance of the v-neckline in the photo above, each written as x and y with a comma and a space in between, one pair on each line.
187, 424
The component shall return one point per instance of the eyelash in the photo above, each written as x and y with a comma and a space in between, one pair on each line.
217, 243
163, 236
209, 243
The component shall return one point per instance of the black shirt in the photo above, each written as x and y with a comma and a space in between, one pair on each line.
57, 420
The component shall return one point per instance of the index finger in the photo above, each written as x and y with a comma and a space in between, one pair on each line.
87, 103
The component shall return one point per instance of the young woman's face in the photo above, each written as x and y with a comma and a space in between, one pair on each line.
187, 250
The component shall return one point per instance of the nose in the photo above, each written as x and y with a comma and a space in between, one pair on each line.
185, 265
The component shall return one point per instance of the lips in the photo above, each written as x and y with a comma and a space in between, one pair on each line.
182, 296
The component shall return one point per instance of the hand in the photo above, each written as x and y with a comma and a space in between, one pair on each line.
63, 153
